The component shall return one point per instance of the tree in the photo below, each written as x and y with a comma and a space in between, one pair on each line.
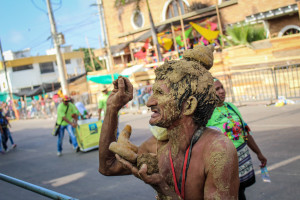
87, 61
244, 34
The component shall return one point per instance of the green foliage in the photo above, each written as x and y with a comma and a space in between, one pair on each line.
87, 61
244, 34
119, 3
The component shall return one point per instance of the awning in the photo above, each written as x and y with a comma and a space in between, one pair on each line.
4, 96
117, 48
102, 79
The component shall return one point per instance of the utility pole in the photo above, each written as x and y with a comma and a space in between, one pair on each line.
105, 35
7, 83
219, 23
154, 34
90, 53
59, 59
102, 27
182, 24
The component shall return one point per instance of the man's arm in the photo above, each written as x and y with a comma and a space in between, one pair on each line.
253, 146
69, 122
221, 169
121, 94
99, 113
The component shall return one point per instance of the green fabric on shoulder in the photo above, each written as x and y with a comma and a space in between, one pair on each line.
228, 122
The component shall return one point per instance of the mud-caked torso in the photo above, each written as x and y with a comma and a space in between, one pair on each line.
195, 177
212, 171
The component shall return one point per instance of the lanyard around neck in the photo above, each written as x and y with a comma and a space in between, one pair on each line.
179, 187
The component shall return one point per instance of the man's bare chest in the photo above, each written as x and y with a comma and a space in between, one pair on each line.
194, 179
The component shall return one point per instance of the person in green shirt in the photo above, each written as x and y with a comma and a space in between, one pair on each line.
66, 113
228, 119
102, 102
102, 105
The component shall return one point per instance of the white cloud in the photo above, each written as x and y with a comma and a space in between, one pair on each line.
16, 37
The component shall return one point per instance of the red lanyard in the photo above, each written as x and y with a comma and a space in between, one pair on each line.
183, 173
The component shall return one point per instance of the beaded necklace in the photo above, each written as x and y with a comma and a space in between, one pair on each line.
228, 115
236, 131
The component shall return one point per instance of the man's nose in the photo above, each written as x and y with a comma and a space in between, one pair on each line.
151, 101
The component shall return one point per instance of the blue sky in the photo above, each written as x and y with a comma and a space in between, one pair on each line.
25, 24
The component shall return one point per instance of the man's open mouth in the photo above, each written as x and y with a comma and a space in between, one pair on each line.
155, 113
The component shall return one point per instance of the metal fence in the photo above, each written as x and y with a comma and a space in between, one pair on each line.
34, 188
262, 84
248, 86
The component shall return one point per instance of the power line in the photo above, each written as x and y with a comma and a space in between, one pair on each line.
59, 7
81, 25
52, 2
34, 4
44, 11
79, 22
36, 43
35, 40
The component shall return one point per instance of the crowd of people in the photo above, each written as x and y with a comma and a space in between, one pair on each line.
42, 107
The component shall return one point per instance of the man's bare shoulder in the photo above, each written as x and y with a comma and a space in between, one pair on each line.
220, 165
213, 136
213, 142
216, 146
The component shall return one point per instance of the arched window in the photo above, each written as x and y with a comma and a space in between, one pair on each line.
137, 19
171, 8
289, 30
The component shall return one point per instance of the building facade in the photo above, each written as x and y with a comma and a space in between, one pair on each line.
25, 72
279, 17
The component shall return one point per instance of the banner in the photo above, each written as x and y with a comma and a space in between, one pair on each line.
179, 40
165, 42
206, 33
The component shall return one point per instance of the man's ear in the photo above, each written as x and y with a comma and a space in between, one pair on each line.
190, 105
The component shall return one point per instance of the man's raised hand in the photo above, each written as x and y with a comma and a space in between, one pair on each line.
121, 94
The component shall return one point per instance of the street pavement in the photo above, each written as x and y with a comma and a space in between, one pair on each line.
275, 129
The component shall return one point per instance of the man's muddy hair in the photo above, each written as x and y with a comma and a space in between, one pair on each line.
190, 77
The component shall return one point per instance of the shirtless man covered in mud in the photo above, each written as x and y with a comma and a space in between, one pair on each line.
194, 162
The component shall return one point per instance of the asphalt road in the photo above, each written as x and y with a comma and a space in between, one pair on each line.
275, 129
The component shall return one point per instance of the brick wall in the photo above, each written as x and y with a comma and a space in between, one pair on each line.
276, 25
243, 8
114, 25
230, 14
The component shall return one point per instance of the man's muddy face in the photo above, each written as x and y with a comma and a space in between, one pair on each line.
163, 105
220, 91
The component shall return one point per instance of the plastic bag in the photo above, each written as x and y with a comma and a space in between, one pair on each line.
265, 175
